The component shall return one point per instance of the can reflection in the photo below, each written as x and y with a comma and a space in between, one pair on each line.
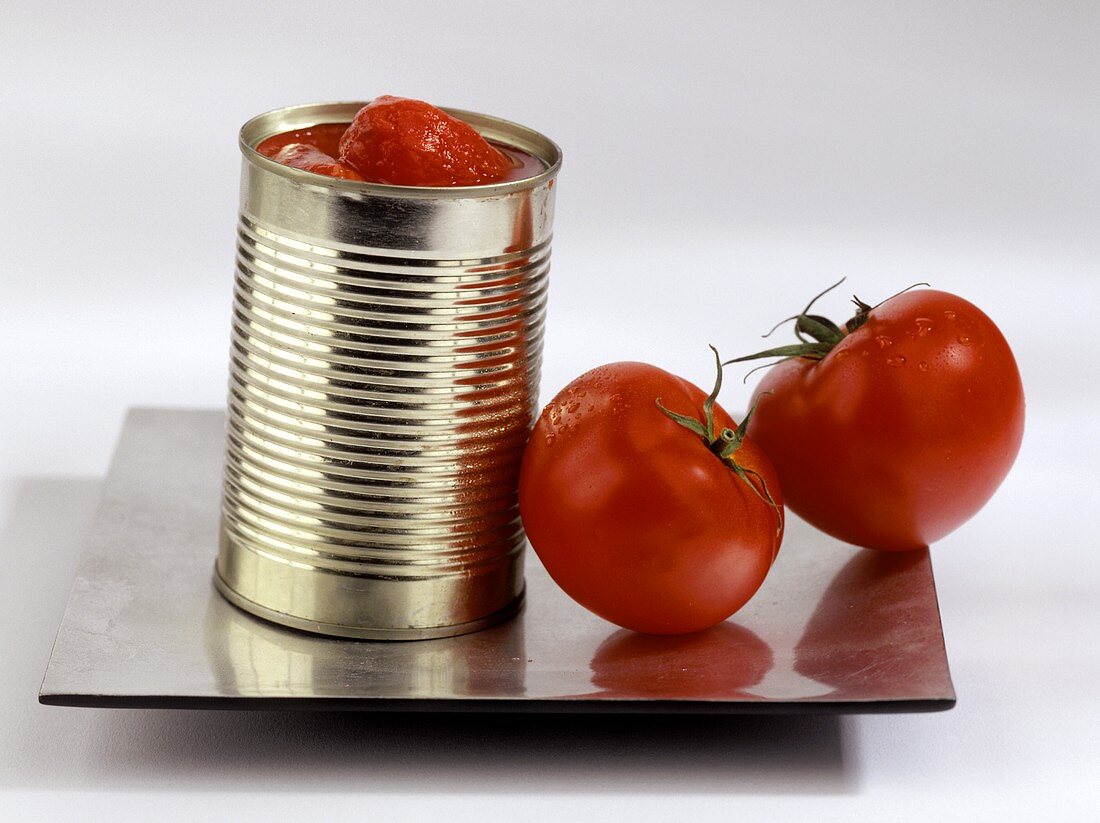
254, 658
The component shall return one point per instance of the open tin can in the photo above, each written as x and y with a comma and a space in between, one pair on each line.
384, 374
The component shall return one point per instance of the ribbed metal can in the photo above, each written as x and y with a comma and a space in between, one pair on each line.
384, 370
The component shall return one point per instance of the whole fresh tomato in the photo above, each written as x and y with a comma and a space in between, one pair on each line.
646, 502
893, 430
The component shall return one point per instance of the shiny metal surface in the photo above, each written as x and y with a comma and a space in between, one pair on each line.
384, 372
833, 628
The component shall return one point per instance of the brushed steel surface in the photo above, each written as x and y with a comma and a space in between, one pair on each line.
833, 628
384, 368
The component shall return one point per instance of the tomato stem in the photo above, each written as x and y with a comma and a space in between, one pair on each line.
726, 442
863, 310
708, 404
818, 335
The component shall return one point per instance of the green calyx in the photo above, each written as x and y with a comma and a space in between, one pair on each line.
817, 335
725, 443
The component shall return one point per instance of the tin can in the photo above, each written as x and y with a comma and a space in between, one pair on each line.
384, 371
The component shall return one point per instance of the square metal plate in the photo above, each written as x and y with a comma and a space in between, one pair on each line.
833, 629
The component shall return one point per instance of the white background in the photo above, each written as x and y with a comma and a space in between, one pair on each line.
723, 162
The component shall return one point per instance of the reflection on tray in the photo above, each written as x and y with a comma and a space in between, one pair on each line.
877, 624
717, 663
873, 630
253, 658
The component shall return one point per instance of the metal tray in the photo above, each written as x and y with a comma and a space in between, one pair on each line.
833, 629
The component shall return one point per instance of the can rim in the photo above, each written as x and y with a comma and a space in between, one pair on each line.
290, 118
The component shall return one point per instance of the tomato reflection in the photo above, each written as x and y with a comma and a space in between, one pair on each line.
719, 662
876, 630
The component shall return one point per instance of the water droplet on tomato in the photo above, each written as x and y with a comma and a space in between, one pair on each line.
923, 329
922, 365
841, 355
950, 315
896, 360
572, 406
865, 353
883, 341
550, 440
964, 339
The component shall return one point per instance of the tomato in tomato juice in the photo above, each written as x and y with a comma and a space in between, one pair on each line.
326, 138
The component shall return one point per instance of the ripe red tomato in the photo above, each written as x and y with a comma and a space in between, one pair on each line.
897, 428
635, 515
412, 143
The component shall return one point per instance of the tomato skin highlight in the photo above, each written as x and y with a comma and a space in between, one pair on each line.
903, 431
633, 515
